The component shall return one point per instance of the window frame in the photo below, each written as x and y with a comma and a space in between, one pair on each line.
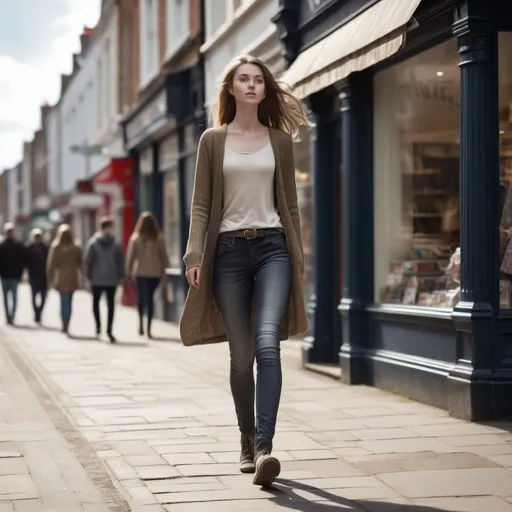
173, 44
149, 42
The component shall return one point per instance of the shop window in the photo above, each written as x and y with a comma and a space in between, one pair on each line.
416, 173
305, 197
189, 159
505, 130
172, 217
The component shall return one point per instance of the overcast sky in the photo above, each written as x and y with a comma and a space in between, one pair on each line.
37, 38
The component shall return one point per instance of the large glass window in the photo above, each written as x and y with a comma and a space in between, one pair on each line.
416, 166
505, 117
305, 197
169, 155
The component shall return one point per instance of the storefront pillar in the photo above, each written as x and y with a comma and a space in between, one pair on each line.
472, 384
321, 339
357, 220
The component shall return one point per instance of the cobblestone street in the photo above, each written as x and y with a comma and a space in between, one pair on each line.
149, 426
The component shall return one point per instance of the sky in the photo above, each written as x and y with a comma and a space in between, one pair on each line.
37, 39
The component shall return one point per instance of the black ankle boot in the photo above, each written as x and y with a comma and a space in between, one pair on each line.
247, 454
267, 466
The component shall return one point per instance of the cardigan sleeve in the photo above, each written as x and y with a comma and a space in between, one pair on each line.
290, 190
201, 204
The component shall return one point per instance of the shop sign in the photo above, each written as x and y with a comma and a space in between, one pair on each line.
154, 111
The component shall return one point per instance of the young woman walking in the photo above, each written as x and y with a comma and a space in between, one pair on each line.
244, 259
64, 269
146, 261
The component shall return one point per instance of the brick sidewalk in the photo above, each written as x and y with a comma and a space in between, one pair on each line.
161, 419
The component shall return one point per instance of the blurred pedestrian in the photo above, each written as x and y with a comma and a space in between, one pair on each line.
37, 255
13, 260
104, 269
64, 271
146, 261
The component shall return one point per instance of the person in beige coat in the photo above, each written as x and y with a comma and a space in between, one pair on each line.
64, 270
146, 262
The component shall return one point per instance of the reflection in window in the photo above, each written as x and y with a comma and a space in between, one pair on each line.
417, 255
305, 197
505, 118
172, 217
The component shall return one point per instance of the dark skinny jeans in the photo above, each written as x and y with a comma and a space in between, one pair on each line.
259, 271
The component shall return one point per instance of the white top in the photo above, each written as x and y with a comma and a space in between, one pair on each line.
249, 190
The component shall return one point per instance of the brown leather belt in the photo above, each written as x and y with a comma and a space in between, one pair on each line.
251, 234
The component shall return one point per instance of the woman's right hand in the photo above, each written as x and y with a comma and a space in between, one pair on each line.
194, 276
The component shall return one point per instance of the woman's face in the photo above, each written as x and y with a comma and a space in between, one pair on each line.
248, 84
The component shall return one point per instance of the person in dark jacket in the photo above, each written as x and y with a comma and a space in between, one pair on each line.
104, 269
37, 255
13, 260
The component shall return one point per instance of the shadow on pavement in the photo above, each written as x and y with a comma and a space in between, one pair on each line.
164, 338
502, 424
286, 497
122, 343
30, 327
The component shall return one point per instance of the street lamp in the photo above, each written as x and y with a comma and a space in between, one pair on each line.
87, 151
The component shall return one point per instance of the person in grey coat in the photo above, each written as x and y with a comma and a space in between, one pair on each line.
104, 269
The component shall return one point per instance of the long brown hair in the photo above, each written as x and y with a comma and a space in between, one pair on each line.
279, 109
64, 236
147, 227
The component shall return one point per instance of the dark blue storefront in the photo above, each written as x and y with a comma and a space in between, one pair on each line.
162, 133
412, 162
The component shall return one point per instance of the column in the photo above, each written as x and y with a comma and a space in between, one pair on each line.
357, 218
470, 382
322, 312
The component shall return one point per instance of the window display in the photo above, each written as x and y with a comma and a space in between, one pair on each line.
416, 118
505, 118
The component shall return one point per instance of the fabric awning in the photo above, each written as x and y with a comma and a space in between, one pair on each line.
374, 35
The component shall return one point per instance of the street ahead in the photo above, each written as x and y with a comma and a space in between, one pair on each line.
149, 426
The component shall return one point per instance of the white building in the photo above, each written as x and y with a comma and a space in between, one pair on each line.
53, 135
234, 27
14, 192
87, 124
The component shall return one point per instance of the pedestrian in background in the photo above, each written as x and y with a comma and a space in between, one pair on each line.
13, 260
37, 256
244, 255
64, 271
104, 269
146, 261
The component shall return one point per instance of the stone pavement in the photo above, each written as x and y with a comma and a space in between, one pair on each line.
149, 426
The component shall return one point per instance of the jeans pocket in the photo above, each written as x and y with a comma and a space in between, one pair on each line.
277, 238
223, 242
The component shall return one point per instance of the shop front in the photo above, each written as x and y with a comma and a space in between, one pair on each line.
426, 99
162, 134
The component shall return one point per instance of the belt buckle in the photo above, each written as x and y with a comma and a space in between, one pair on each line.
252, 237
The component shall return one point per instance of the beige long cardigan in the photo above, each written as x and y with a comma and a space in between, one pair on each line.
201, 322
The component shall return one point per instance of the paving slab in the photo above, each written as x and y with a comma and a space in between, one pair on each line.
155, 421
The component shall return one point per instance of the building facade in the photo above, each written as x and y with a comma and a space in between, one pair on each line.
419, 93
89, 121
162, 130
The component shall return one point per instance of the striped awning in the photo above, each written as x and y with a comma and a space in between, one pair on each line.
372, 36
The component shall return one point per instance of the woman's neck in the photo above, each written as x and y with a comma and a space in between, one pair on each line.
246, 119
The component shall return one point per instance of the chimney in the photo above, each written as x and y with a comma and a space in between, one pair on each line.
85, 39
